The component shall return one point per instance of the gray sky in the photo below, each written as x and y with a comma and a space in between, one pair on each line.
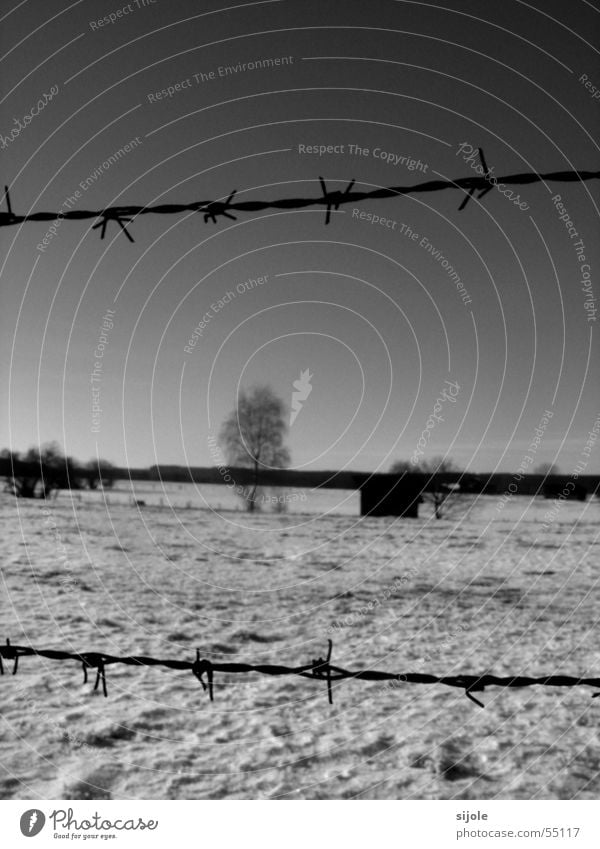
374, 314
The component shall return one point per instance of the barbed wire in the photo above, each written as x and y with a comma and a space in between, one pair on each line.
319, 669
331, 200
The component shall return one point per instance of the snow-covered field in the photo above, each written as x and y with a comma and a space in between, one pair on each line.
493, 594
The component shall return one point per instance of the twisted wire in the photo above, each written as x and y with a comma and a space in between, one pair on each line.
331, 200
319, 669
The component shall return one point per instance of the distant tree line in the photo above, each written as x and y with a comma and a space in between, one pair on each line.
40, 471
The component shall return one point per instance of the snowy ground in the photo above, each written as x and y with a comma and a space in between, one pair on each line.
493, 594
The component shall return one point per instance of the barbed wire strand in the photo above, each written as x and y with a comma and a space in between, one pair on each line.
331, 200
319, 669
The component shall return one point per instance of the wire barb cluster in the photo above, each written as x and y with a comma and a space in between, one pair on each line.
320, 669
212, 209
486, 177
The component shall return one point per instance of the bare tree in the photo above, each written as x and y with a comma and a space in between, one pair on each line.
446, 499
401, 466
40, 471
16, 482
252, 436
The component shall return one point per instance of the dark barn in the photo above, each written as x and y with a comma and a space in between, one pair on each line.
391, 495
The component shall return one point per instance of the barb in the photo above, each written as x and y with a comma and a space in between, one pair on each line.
317, 670
109, 215
10, 653
331, 199
9, 213
93, 660
322, 669
200, 668
486, 177
215, 207
334, 199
